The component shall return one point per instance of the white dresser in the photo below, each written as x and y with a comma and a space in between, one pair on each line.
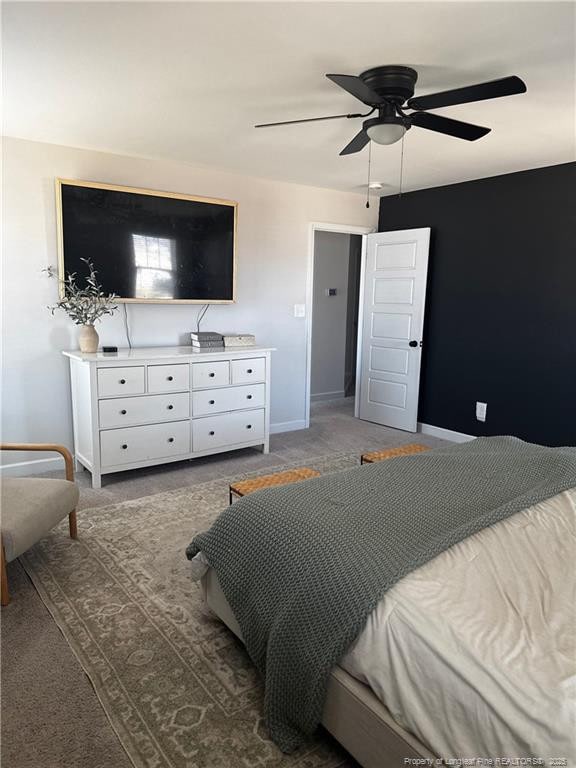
143, 407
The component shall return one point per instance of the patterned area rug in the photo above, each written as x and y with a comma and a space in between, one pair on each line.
177, 686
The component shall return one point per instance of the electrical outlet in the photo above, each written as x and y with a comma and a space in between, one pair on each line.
481, 411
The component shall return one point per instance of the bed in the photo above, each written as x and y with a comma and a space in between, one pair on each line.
352, 712
470, 655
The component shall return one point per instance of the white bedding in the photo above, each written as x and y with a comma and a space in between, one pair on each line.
475, 652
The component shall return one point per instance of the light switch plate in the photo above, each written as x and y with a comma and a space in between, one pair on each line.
481, 411
299, 310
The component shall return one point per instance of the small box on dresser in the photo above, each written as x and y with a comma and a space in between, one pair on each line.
151, 406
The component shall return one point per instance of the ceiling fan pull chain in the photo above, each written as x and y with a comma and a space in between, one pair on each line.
368, 182
401, 166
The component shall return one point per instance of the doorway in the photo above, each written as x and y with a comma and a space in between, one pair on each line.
333, 308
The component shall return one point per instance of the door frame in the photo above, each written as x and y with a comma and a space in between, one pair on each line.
344, 229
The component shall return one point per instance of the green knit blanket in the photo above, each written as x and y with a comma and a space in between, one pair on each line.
304, 565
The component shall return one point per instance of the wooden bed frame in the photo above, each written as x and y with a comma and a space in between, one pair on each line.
352, 713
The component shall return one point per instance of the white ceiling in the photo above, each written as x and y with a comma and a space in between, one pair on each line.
187, 81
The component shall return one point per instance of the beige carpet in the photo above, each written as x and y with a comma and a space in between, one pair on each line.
177, 687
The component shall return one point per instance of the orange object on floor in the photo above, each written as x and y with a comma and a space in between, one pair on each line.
390, 453
243, 487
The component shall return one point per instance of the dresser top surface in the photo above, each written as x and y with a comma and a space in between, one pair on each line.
165, 353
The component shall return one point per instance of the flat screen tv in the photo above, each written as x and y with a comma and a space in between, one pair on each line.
147, 246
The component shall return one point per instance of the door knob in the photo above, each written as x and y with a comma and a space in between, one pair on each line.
412, 343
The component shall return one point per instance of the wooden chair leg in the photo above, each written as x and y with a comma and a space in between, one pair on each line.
72, 524
4, 579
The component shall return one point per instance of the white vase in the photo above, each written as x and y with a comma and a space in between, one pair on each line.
88, 338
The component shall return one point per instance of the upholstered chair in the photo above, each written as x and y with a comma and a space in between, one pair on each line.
30, 507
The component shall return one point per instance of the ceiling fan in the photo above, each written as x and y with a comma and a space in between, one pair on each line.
389, 90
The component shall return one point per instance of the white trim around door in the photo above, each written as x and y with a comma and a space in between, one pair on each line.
315, 226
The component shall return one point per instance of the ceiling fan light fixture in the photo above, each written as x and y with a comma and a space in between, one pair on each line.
385, 130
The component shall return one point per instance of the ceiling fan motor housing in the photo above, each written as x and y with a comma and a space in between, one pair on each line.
392, 83
387, 120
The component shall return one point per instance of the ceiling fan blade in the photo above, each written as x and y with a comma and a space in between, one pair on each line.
448, 126
306, 120
357, 88
505, 86
358, 142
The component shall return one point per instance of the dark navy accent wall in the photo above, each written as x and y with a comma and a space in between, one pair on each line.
500, 324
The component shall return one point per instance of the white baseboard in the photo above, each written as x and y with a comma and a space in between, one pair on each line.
287, 426
33, 467
327, 396
445, 434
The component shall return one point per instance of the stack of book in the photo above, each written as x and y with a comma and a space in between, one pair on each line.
206, 339
239, 340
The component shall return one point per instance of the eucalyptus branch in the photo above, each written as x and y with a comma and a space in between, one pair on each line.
84, 305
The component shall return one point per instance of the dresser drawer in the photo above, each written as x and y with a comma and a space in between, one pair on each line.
126, 411
115, 382
227, 429
246, 371
215, 374
155, 441
168, 378
227, 399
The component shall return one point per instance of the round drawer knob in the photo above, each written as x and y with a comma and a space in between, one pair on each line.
211, 433
170, 378
122, 381
211, 375
170, 407
248, 426
248, 397
249, 370
123, 412
170, 439
124, 447
211, 402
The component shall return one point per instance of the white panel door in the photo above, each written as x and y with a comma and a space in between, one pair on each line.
394, 292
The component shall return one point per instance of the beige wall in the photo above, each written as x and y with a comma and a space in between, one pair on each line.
272, 253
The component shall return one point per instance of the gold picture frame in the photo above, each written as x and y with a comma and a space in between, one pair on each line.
142, 191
